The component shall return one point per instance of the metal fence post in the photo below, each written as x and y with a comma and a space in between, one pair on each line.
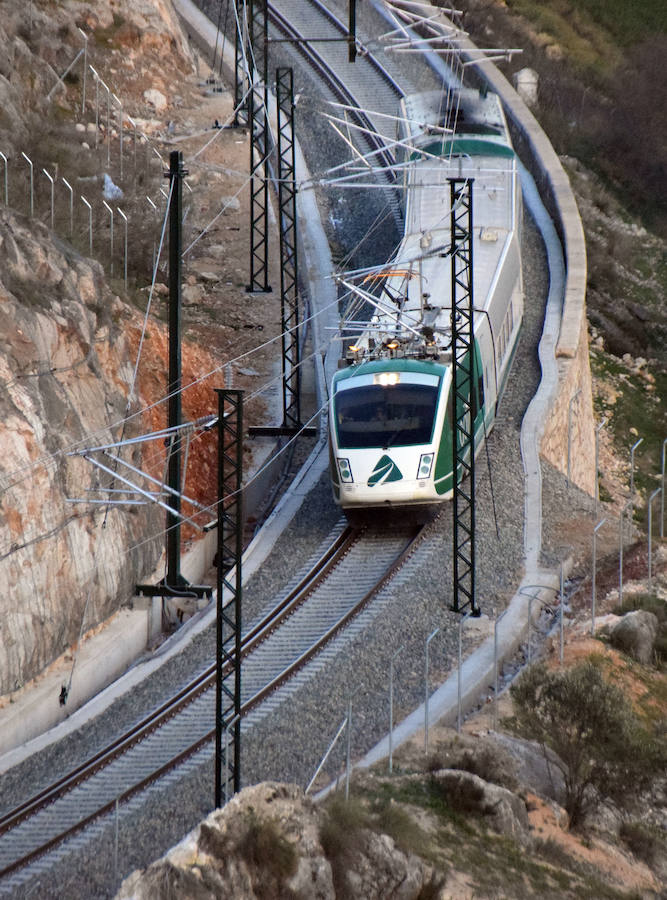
391, 709
650, 530
50, 177
597, 465
97, 107
458, 710
71, 205
85, 70
32, 200
120, 133
428, 641
90, 224
662, 481
595, 535
124, 218
627, 506
495, 669
632, 467
562, 603
348, 752
4, 158
569, 432
106, 206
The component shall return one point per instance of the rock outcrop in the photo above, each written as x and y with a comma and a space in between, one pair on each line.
66, 365
635, 635
502, 810
266, 842
69, 343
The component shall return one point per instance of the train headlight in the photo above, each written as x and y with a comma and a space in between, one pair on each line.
386, 379
425, 463
344, 470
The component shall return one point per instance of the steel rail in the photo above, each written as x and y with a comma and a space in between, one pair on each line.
333, 82
324, 566
270, 623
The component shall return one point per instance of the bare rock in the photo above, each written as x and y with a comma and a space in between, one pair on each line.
635, 635
504, 811
57, 375
192, 294
156, 99
264, 842
539, 769
525, 83
382, 870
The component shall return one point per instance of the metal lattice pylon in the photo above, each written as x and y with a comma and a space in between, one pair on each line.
241, 60
289, 273
463, 438
229, 595
259, 144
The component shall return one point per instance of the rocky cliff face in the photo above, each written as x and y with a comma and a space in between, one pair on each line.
66, 364
69, 343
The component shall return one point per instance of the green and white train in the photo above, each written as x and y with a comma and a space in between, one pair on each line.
391, 410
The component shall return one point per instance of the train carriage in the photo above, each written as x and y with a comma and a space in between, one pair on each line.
391, 421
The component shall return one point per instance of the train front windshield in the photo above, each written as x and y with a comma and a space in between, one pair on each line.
385, 414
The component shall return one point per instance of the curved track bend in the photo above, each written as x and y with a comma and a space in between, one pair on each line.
355, 565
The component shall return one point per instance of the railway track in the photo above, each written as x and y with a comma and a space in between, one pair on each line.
367, 84
177, 737
337, 586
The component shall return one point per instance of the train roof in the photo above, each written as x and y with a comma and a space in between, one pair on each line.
397, 364
463, 112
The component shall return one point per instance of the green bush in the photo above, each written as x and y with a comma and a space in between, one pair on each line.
460, 795
600, 744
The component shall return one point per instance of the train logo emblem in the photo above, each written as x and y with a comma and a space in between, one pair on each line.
385, 470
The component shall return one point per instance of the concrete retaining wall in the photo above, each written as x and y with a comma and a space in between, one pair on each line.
571, 351
539, 157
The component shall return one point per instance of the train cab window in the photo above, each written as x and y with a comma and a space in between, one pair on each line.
376, 415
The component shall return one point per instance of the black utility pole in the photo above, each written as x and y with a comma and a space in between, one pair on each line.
463, 437
229, 593
352, 32
174, 584
174, 409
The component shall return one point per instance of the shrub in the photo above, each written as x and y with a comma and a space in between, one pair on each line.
600, 744
460, 795
344, 821
340, 835
489, 763
263, 847
643, 841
